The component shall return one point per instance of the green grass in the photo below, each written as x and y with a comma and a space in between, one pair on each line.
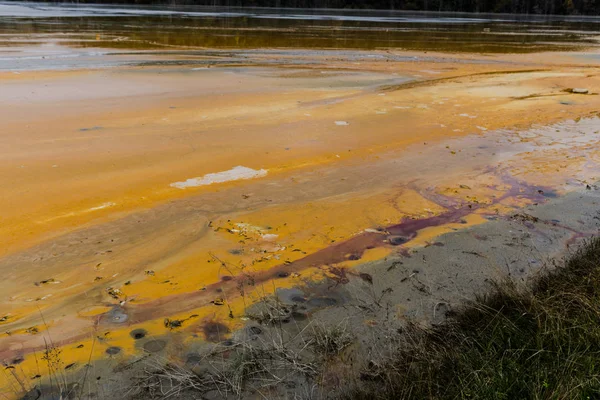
539, 343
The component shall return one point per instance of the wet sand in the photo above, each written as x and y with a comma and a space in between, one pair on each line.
350, 157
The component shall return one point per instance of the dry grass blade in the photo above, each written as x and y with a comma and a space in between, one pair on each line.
248, 365
331, 340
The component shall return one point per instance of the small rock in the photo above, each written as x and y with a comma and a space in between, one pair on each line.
113, 350
579, 91
33, 394
397, 240
218, 301
366, 277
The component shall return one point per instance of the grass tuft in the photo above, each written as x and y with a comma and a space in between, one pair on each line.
539, 343
330, 341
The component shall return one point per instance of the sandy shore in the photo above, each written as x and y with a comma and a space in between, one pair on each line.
139, 194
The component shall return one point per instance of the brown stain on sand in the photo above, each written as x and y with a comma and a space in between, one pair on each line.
215, 331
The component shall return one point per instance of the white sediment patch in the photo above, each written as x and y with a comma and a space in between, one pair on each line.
370, 230
81, 212
101, 206
341, 123
234, 174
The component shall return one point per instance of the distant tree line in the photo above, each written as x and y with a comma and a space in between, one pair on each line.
569, 7
584, 7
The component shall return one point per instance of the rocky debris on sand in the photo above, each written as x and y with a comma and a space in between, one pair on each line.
218, 301
46, 282
524, 217
114, 293
173, 323
177, 323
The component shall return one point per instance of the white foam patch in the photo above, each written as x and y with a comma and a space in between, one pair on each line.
234, 174
341, 123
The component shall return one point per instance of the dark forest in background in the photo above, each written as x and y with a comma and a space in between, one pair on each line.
570, 7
